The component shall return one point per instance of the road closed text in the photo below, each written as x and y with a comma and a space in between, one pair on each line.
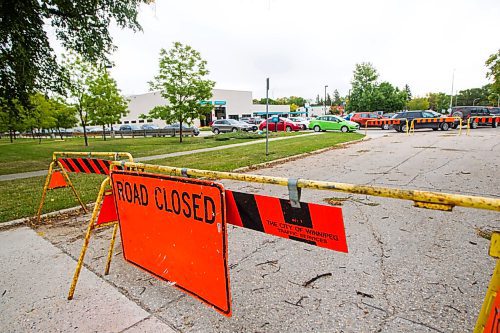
170, 200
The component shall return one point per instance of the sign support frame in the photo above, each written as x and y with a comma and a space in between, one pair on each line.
90, 228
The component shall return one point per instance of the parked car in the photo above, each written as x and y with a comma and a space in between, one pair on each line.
130, 128
362, 119
324, 123
230, 125
436, 114
465, 112
251, 120
150, 127
410, 115
301, 121
97, 129
185, 128
283, 124
348, 116
495, 111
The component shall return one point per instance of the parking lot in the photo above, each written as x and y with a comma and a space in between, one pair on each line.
408, 269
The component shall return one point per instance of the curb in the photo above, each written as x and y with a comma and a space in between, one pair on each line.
297, 157
25, 220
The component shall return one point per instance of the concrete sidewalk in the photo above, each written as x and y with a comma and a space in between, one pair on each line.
34, 281
30, 174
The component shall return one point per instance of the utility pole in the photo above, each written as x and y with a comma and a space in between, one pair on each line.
267, 116
452, 82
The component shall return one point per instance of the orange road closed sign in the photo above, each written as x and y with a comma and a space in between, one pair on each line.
175, 229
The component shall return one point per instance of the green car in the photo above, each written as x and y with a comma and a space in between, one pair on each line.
324, 123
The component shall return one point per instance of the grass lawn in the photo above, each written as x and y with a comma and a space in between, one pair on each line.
20, 198
233, 158
27, 155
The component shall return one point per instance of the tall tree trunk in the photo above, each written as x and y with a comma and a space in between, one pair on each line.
104, 132
10, 135
180, 130
33, 133
84, 125
39, 137
85, 135
60, 134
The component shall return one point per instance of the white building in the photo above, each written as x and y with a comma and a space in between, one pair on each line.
314, 111
227, 104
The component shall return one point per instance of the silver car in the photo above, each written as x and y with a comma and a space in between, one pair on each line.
230, 125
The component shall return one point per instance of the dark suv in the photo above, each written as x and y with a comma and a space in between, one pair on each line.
410, 115
465, 112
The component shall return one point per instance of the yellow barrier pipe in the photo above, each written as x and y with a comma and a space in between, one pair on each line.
86, 240
432, 200
111, 247
493, 289
44, 191
92, 154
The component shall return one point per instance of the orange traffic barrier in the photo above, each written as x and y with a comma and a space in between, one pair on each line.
57, 180
384, 123
76, 162
441, 120
473, 122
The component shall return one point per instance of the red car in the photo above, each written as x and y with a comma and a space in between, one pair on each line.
362, 117
283, 124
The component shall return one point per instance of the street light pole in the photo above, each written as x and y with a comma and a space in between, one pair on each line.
452, 82
324, 103
267, 116
474, 101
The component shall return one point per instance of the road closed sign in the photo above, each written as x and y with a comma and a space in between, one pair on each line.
175, 229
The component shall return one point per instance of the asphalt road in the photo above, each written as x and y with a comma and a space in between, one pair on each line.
407, 270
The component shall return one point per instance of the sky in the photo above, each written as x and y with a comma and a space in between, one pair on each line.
304, 45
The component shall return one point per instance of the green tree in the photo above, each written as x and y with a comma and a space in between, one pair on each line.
493, 73
39, 115
263, 101
28, 62
182, 82
337, 100
64, 115
419, 103
104, 102
438, 102
408, 92
79, 74
389, 98
473, 96
11, 117
364, 85
299, 101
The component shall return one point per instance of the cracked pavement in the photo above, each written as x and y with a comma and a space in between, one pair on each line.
407, 270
